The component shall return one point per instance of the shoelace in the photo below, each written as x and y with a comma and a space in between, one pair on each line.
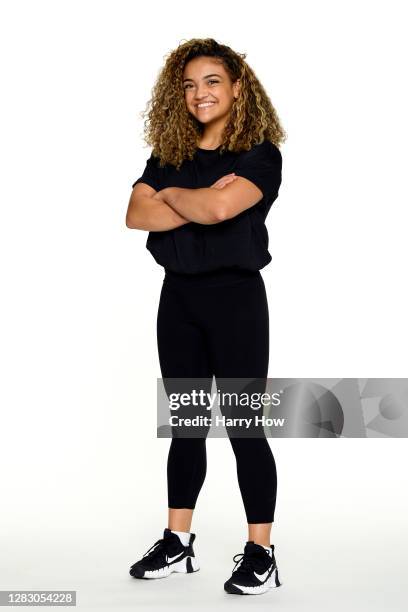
249, 563
157, 552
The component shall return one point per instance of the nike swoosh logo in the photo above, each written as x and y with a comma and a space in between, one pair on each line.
171, 559
263, 577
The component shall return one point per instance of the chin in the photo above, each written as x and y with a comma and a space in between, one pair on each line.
204, 120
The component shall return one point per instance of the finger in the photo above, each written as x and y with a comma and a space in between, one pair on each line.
228, 180
224, 180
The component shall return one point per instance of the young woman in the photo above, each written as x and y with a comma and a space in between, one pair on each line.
206, 190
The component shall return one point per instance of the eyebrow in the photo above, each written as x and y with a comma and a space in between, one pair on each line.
205, 77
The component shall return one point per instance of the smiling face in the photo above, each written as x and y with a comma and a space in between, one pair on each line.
208, 90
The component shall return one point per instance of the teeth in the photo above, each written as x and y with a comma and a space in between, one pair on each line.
205, 104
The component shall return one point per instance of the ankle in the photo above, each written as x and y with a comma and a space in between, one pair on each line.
183, 536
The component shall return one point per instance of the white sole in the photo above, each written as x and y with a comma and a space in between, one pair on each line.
262, 588
187, 565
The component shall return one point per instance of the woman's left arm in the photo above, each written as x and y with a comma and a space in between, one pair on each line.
201, 205
257, 175
207, 205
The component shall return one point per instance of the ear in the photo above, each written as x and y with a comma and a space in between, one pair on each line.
236, 88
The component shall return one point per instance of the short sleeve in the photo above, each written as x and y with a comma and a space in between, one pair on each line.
262, 165
151, 174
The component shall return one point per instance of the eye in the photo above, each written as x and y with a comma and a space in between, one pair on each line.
188, 85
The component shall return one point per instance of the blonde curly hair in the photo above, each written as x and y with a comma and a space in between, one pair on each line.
173, 133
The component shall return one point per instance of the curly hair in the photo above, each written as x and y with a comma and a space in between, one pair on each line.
174, 133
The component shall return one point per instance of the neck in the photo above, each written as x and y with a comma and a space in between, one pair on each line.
211, 137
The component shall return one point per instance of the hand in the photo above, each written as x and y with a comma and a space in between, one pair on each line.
224, 180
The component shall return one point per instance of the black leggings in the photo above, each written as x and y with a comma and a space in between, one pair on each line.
217, 324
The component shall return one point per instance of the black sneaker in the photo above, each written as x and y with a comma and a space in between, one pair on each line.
255, 571
167, 555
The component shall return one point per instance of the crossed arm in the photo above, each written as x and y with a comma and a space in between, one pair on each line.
172, 207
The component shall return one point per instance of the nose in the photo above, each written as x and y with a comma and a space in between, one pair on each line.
201, 93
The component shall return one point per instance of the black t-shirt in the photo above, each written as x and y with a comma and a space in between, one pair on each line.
239, 242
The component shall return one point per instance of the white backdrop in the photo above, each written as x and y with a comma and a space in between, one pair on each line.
83, 475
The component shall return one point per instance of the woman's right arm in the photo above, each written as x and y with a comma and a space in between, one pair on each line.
148, 213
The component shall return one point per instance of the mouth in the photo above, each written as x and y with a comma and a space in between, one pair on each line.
204, 105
